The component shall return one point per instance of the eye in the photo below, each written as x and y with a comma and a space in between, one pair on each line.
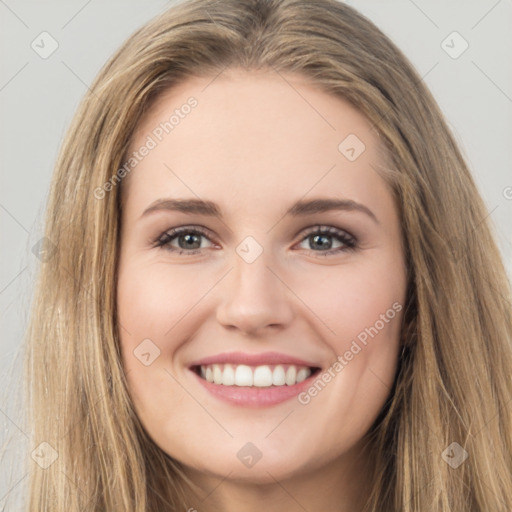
187, 238
321, 238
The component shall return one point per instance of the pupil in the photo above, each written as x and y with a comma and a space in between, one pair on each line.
316, 238
190, 240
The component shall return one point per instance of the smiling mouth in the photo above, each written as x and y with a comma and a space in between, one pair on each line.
261, 376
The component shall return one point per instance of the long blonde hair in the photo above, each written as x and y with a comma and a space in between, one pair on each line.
454, 380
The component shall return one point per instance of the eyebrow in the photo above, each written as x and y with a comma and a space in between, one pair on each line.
298, 209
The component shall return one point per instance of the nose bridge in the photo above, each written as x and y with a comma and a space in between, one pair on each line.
254, 297
253, 277
252, 261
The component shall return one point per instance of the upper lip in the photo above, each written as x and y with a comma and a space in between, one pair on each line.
263, 358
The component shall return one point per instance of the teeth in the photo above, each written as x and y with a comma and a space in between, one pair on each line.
217, 374
228, 376
259, 376
243, 376
303, 374
291, 375
278, 376
262, 377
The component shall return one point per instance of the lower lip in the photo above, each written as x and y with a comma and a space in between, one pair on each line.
256, 396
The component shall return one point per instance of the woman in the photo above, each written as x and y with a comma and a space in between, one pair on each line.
193, 347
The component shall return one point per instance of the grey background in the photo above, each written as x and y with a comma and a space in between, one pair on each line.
39, 96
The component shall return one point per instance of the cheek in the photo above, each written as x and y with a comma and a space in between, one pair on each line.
356, 302
153, 305
152, 301
363, 309
149, 308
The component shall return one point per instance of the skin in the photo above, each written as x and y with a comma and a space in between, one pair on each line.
255, 143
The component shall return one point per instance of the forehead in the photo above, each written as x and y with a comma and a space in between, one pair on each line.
244, 135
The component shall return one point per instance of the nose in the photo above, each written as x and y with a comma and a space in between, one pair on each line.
255, 299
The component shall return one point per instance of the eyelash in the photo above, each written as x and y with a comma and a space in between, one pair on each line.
349, 241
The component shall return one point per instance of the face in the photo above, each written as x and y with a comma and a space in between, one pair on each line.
290, 275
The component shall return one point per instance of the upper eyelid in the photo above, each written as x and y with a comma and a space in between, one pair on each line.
330, 230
